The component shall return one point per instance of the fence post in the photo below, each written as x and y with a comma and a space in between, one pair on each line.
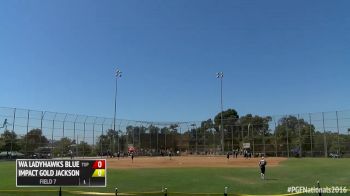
336, 112
319, 188
101, 137
111, 144
324, 137
204, 146
225, 191
93, 137
299, 132
118, 137
157, 142
180, 137
164, 140
26, 153
312, 154
76, 147
264, 143
276, 146
140, 129
75, 138
13, 130
84, 138
133, 137
232, 137
242, 134
53, 129
64, 120
150, 136
214, 143
287, 140
253, 140
62, 147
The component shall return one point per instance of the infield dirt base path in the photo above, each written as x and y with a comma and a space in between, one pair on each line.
188, 161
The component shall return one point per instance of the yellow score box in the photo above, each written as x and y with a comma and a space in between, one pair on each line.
99, 173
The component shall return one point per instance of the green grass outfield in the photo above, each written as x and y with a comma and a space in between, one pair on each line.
292, 172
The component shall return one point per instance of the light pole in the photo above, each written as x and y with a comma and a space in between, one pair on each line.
221, 75
118, 74
119, 132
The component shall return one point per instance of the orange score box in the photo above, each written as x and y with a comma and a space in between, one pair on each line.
99, 164
98, 173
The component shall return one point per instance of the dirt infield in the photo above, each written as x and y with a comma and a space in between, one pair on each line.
188, 161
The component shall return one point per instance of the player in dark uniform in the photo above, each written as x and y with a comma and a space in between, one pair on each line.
71, 154
262, 164
169, 154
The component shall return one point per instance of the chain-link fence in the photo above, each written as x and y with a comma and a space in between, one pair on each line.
29, 133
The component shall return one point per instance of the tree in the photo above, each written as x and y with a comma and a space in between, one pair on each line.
288, 131
63, 146
106, 142
153, 129
8, 141
206, 131
207, 124
258, 125
230, 117
111, 133
84, 149
103, 144
33, 140
152, 137
173, 128
2, 143
164, 138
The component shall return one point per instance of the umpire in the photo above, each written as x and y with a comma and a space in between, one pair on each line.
262, 164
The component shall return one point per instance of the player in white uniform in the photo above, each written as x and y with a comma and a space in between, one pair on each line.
262, 164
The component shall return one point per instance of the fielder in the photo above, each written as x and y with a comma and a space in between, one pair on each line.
262, 164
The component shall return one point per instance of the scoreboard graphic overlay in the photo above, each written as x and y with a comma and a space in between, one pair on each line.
61, 172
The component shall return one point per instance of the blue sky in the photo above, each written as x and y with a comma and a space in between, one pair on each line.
278, 57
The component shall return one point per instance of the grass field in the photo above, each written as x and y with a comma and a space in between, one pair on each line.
292, 172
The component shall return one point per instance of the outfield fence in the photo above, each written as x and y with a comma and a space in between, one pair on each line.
43, 134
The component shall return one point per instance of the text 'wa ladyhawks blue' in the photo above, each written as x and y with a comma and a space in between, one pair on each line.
41, 164
48, 168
